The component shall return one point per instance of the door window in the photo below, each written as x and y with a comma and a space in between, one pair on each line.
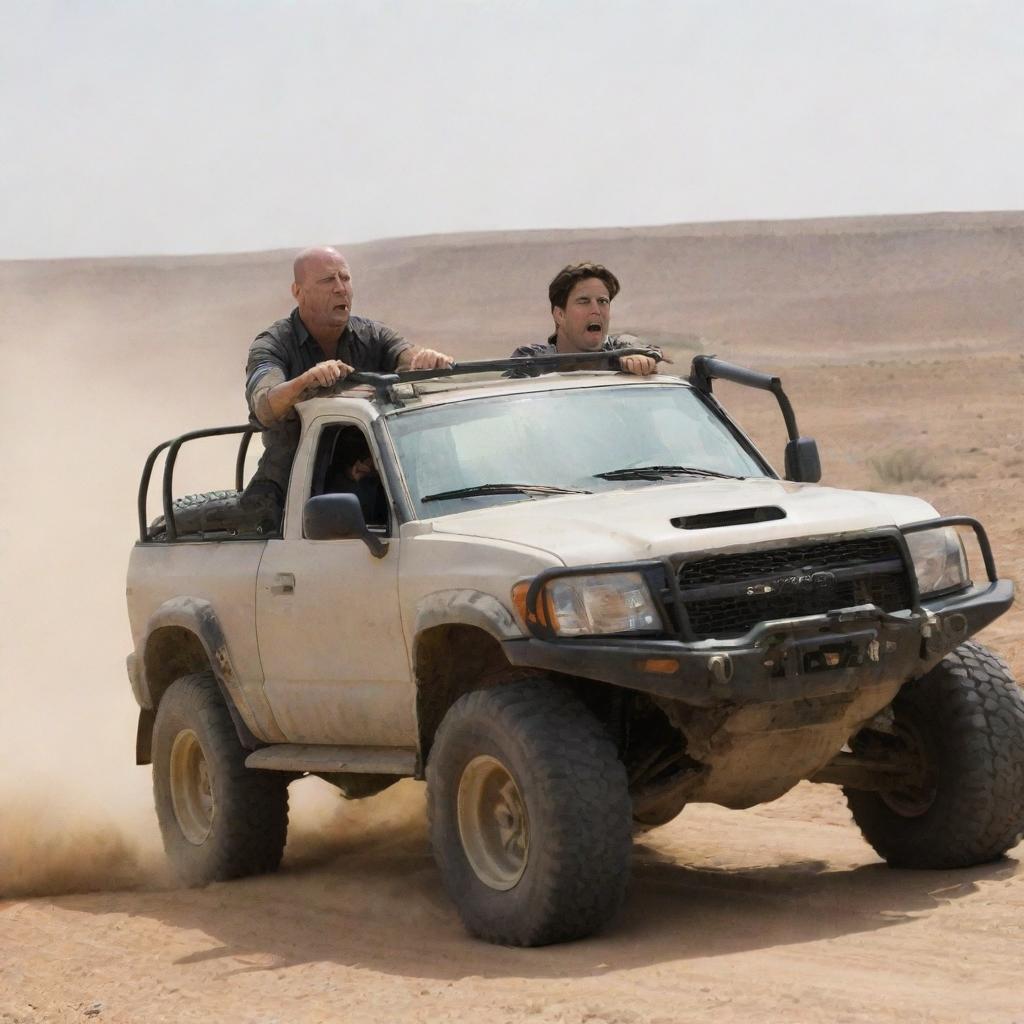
345, 464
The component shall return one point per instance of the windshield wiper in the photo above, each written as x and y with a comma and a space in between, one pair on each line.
657, 472
470, 492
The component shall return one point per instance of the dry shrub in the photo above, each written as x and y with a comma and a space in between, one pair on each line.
903, 465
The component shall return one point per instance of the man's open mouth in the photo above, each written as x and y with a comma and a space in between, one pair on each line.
593, 328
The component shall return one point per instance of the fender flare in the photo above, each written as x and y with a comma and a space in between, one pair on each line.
197, 616
466, 608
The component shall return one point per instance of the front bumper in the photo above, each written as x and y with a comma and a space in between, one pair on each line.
812, 656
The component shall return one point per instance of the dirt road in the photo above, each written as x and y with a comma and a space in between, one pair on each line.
776, 914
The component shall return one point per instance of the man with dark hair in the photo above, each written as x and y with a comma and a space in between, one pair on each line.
581, 297
319, 344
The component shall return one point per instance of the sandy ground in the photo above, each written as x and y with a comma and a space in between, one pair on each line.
780, 913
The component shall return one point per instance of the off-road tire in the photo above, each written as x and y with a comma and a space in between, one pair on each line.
249, 820
192, 501
969, 714
220, 512
577, 808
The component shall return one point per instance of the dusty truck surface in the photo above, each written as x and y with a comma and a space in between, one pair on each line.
574, 603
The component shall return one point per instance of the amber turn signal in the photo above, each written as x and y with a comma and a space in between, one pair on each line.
519, 592
659, 666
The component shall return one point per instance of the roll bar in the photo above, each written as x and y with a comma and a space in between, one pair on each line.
167, 491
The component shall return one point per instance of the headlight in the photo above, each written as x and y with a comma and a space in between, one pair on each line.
611, 602
939, 560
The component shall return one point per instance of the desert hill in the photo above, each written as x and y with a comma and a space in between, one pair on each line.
835, 287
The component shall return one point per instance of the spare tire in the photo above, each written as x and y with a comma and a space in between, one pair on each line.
217, 512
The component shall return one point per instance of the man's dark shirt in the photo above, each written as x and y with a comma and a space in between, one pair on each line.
285, 350
548, 348
369, 491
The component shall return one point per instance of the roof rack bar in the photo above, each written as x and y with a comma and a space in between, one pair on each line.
382, 383
555, 361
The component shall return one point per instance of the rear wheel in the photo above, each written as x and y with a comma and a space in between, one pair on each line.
218, 819
530, 817
960, 731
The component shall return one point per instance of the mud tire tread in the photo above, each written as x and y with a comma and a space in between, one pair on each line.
192, 501
576, 792
974, 711
251, 817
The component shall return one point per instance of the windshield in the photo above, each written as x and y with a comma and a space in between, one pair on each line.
528, 447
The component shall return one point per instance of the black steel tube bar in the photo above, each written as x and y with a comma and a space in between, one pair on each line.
147, 471
708, 368
172, 456
979, 533
243, 450
705, 369
521, 363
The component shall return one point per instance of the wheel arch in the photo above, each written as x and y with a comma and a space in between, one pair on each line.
458, 649
184, 636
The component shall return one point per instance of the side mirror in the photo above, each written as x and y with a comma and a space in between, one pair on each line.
338, 517
802, 462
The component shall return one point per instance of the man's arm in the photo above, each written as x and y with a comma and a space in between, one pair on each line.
271, 395
270, 401
400, 355
273, 402
268, 390
641, 366
416, 358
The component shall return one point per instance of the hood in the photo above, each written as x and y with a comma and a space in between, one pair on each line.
626, 525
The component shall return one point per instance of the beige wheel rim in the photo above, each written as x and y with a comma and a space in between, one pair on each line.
492, 823
191, 792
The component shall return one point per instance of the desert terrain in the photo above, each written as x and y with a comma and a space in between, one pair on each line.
901, 343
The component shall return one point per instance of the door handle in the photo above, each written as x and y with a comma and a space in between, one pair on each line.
284, 583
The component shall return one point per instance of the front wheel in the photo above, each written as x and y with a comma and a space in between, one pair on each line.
960, 728
530, 817
218, 819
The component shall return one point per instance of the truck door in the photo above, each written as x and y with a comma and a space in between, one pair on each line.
328, 622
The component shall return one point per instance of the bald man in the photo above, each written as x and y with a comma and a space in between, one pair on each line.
320, 343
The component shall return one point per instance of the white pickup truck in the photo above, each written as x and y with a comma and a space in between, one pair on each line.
577, 602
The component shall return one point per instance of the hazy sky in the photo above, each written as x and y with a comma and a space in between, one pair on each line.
198, 125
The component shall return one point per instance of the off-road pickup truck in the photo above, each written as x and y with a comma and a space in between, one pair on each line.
581, 601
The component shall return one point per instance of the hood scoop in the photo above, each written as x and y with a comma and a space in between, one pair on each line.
732, 517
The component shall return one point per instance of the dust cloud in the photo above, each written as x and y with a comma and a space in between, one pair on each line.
104, 375
325, 826
57, 842
51, 847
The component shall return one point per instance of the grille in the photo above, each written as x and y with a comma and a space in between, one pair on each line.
867, 570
